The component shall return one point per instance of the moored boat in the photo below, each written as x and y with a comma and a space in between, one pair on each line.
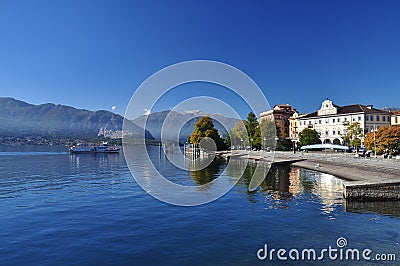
82, 148
105, 148
86, 148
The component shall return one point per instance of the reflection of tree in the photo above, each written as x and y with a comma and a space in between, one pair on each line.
281, 182
209, 173
277, 182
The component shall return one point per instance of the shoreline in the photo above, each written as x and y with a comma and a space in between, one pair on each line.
363, 178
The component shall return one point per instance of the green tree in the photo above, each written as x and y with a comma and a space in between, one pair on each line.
268, 133
284, 144
251, 124
228, 142
253, 130
257, 139
205, 128
354, 134
238, 135
308, 137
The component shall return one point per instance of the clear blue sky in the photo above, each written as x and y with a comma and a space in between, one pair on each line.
93, 54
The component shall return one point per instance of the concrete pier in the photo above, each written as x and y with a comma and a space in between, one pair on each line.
389, 189
260, 156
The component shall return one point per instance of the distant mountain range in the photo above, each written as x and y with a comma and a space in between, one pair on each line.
21, 119
180, 122
391, 109
18, 118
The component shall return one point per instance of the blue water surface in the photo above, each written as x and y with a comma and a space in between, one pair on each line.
57, 208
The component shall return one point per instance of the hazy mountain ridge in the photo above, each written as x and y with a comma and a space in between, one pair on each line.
21, 118
391, 109
176, 120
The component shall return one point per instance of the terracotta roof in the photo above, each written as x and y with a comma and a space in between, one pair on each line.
350, 109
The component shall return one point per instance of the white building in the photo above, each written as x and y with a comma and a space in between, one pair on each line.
395, 118
331, 120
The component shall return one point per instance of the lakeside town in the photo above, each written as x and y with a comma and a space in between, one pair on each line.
361, 128
358, 128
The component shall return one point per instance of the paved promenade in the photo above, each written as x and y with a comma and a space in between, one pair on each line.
347, 166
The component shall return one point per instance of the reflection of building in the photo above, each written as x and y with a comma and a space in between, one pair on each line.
294, 125
330, 190
280, 114
395, 118
331, 120
294, 181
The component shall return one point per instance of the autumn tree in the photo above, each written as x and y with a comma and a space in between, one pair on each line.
308, 137
386, 138
205, 128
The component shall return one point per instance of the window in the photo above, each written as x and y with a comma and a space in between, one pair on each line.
334, 120
359, 118
366, 118
354, 119
326, 121
345, 119
334, 132
327, 132
338, 132
377, 118
371, 118
320, 121
384, 118
338, 120
309, 122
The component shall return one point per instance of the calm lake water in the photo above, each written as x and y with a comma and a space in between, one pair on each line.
57, 208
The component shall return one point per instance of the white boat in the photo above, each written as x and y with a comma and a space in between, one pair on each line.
104, 148
86, 148
82, 148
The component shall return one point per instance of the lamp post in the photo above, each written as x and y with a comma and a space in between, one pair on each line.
241, 144
276, 142
294, 143
375, 139
251, 144
264, 140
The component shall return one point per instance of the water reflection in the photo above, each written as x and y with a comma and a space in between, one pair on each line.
284, 184
391, 208
208, 174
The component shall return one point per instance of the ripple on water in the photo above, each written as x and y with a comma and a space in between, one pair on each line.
72, 209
